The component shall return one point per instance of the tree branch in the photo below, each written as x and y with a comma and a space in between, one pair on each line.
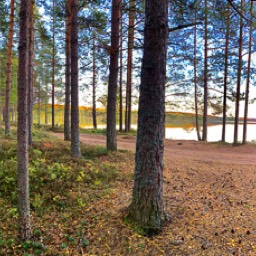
184, 26
237, 10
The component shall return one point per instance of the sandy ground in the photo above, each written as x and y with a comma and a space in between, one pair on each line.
210, 194
190, 150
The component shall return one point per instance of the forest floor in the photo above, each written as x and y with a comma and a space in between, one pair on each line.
210, 193
78, 206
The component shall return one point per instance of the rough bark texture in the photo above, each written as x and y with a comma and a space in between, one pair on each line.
147, 208
22, 129
205, 121
75, 142
9, 71
248, 79
30, 72
113, 76
128, 109
67, 75
226, 77
94, 76
239, 72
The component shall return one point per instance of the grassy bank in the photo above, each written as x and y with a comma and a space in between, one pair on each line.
173, 119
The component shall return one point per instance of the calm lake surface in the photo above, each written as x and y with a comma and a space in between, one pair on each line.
214, 133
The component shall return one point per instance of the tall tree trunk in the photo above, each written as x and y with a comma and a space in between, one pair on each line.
205, 116
226, 76
3, 114
45, 112
46, 104
39, 105
248, 78
113, 76
9, 71
239, 73
75, 143
13, 114
53, 63
147, 207
67, 74
22, 129
30, 72
195, 83
94, 74
128, 109
121, 74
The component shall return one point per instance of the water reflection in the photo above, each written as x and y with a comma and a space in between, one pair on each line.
214, 133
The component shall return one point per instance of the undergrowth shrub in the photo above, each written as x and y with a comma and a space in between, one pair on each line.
54, 174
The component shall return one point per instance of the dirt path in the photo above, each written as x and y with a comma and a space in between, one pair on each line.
191, 150
209, 192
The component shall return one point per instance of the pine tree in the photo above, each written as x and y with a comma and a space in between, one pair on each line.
147, 207
22, 129
113, 76
75, 137
9, 69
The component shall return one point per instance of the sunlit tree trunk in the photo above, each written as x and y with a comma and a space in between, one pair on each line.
226, 76
205, 116
248, 79
9, 70
75, 137
22, 129
128, 109
67, 75
147, 208
45, 112
113, 76
239, 73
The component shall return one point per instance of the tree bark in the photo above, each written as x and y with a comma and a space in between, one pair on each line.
22, 129
205, 116
39, 105
53, 64
13, 114
195, 84
226, 77
239, 73
94, 76
67, 75
30, 72
128, 110
147, 208
121, 74
45, 112
9, 71
113, 76
75, 140
247, 89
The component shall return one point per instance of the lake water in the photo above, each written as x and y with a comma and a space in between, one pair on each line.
214, 133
